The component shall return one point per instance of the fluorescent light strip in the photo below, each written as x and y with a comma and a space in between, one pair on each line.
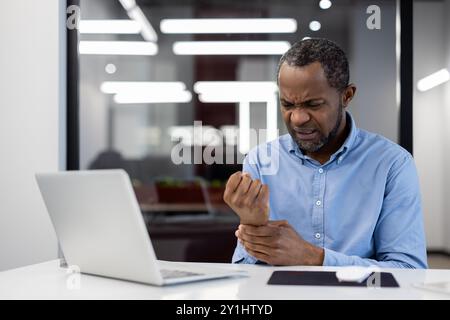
112, 87
190, 26
271, 118
147, 31
127, 92
109, 27
230, 47
128, 4
153, 97
135, 13
118, 48
235, 91
217, 87
233, 97
433, 80
244, 127
243, 92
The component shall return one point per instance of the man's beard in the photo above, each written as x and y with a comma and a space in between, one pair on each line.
314, 146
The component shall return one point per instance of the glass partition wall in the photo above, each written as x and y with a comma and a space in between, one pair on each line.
431, 79
177, 92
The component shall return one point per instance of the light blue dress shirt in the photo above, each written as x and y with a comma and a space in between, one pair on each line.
363, 206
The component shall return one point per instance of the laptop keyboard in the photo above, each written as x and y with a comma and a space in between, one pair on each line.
170, 274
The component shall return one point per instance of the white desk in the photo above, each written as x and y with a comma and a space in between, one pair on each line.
49, 281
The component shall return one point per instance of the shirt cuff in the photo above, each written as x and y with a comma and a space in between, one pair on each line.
241, 256
334, 258
245, 260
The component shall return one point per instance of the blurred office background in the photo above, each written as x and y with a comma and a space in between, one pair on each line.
142, 85
132, 114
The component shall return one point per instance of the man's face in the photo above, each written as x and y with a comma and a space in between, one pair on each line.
311, 109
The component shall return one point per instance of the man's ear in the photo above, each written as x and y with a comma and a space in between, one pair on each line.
348, 94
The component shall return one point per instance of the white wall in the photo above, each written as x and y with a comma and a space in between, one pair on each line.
446, 107
431, 119
32, 95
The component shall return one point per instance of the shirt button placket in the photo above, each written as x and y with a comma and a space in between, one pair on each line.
319, 208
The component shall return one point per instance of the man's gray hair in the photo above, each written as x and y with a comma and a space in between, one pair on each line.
329, 54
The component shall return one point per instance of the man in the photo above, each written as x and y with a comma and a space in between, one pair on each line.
341, 195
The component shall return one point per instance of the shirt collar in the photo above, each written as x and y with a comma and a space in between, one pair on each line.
340, 153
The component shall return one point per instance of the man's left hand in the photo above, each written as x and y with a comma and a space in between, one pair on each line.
277, 243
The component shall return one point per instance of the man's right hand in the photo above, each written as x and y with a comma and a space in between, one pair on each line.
248, 198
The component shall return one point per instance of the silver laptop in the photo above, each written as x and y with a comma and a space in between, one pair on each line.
101, 229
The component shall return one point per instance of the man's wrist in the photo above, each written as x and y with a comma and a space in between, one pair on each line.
316, 256
320, 256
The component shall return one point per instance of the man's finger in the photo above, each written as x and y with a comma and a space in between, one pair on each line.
236, 233
263, 241
254, 190
233, 181
258, 255
260, 231
257, 248
263, 196
279, 223
243, 187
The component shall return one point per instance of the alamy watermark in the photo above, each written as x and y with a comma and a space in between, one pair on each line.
374, 280
73, 18
200, 144
73, 281
373, 22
